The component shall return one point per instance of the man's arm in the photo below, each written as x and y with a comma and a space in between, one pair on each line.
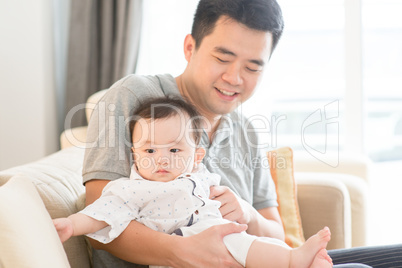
267, 222
142, 245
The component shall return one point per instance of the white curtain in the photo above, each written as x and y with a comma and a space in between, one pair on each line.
103, 47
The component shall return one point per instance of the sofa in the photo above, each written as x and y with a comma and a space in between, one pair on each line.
34, 193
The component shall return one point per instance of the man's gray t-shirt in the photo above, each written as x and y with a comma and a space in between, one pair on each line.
233, 153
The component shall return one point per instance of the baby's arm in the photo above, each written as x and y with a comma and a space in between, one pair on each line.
77, 224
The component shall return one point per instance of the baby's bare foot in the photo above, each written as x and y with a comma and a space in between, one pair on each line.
307, 253
322, 260
321, 238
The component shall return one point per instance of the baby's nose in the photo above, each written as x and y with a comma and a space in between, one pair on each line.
163, 161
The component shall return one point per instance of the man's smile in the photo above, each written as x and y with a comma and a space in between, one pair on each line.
226, 93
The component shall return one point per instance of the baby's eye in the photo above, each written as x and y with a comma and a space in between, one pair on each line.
150, 151
174, 150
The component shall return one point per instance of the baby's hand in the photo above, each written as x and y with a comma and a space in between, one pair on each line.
232, 208
64, 228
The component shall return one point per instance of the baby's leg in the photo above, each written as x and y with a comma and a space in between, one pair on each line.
262, 253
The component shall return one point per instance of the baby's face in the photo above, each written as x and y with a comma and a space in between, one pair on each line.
164, 148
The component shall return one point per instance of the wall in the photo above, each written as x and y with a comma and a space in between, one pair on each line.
28, 124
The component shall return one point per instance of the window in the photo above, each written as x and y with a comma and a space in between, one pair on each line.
333, 83
164, 26
305, 83
382, 78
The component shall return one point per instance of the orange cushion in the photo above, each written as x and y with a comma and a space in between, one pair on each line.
281, 167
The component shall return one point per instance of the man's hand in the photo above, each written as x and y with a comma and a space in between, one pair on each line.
264, 222
207, 249
233, 208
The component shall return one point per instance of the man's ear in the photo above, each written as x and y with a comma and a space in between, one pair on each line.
189, 47
199, 155
133, 153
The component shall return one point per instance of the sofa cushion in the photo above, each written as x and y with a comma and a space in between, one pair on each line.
281, 167
58, 180
27, 237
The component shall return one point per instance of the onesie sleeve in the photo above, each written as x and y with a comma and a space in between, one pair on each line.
115, 208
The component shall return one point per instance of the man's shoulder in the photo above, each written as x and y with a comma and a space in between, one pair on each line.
140, 87
135, 82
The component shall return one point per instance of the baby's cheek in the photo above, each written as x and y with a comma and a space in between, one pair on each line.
185, 164
145, 163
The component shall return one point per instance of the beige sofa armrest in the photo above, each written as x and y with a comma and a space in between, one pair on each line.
77, 136
92, 101
357, 181
344, 163
324, 201
358, 191
74, 137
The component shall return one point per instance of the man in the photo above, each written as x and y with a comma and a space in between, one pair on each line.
230, 43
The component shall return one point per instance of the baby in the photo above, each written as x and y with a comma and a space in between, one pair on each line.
168, 191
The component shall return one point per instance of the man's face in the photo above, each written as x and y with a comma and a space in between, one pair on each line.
164, 148
226, 67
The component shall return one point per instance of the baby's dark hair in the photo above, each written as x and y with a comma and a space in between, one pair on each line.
166, 107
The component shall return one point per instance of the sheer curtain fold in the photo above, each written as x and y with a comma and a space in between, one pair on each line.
103, 47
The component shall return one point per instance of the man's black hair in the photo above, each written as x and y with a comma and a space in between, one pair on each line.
261, 15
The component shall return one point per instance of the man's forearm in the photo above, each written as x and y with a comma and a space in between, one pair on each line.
266, 222
142, 245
